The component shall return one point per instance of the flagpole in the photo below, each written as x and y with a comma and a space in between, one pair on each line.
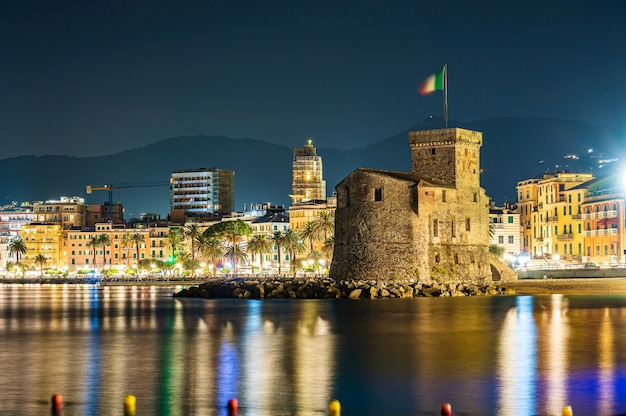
445, 92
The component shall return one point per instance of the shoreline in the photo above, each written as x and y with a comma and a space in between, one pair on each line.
602, 285
569, 286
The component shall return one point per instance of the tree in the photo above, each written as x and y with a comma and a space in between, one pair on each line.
308, 232
324, 224
127, 243
137, 239
294, 246
259, 244
232, 231
236, 252
192, 232
93, 244
279, 240
40, 260
104, 240
329, 247
211, 249
315, 256
17, 247
174, 239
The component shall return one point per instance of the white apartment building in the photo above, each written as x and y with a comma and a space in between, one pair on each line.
505, 231
203, 191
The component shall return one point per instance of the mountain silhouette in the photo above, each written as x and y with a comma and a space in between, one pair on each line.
513, 149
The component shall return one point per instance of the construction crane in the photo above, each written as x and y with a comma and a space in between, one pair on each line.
109, 188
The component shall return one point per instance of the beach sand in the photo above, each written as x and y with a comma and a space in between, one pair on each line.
568, 286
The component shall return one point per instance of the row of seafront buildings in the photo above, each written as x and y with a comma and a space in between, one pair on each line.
61, 230
572, 217
564, 219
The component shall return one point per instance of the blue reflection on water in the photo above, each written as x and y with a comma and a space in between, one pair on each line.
94, 352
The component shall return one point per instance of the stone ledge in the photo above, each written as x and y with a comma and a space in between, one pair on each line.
326, 288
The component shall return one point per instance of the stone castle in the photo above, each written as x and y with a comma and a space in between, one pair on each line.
428, 224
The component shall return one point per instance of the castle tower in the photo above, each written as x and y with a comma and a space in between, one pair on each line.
451, 156
308, 183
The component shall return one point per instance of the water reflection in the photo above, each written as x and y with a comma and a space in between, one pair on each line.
517, 360
504, 355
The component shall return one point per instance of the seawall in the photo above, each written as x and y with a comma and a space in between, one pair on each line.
326, 288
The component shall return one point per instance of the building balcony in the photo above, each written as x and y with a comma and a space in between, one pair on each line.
596, 233
565, 237
553, 219
600, 214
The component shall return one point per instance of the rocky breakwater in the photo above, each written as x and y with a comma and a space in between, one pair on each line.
325, 288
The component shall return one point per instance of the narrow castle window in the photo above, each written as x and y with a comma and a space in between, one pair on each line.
452, 230
378, 194
475, 197
467, 225
456, 258
435, 228
443, 195
432, 151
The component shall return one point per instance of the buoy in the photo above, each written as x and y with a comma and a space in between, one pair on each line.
567, 411
335, 408
130, 403
446, 409
56, 404
232, 406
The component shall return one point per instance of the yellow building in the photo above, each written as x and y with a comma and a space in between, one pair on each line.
45, 239
120, 254
303, 213
546, 212
604, 221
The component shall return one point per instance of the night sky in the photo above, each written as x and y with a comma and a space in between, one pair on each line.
85, 78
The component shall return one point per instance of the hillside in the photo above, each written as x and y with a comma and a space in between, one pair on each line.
513, 149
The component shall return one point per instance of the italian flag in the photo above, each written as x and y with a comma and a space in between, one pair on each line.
433, 82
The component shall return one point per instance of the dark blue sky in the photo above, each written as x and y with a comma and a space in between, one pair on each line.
96, 77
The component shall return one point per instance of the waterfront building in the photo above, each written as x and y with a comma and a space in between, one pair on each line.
203, 191
273, 221
121, 253
308, 183
13, 217
428, 224
505, 230
46, 239
545, 209
604, 220
67, 212
307, 212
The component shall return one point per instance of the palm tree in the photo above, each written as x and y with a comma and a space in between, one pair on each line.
235, 253
127, 243
325, 224
41, 261
17, 247
192, 232
294, 246
211, 249
232, 231
93, 244
328, 247
315, 256
174, 239
104, 240
259, 244
308, 232
137, 239
278, 238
